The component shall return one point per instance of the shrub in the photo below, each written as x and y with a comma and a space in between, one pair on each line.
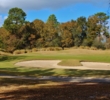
87, 47
81, 47
107, 45
17, 52
98, 44
57, 48
75, 47
23, 51
34, 49
42, 49
50, 49
54, 48
28, 50
93, 48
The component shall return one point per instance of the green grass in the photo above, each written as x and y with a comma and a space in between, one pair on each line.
69, 57
70, 62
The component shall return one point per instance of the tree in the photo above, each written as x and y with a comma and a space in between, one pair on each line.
16, 18
96, 27
102, 21
51, 35
79, 32
53, 20
28, 36
51, 32
66, 30
4, 34
39, 27
93, 29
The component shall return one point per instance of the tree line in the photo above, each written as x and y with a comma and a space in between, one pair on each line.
17, 33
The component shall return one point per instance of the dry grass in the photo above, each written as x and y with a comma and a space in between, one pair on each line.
35, 90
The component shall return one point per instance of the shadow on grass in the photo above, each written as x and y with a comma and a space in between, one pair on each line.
27, 72
74, 91
18, 82
21, 71
11, 58
81, 73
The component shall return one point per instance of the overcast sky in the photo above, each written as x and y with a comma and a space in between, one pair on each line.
64, 10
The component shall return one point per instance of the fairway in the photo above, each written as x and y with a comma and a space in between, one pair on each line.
68, 57
22, 84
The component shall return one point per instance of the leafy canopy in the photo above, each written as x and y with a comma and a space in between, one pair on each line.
16, 18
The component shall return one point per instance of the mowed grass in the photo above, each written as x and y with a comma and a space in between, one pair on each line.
70, 57
70, 62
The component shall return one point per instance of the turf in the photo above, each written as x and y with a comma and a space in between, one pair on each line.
69, 57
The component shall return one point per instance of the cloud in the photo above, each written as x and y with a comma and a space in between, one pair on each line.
28, 5
5, 5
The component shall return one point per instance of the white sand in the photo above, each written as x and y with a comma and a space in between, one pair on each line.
54, 64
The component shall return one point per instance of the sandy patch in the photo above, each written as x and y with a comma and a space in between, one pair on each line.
54, 64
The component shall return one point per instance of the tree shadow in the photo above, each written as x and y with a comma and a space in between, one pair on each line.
11, 58
70, 91
31, 71
81, 73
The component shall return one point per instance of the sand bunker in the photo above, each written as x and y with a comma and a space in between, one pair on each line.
54, 64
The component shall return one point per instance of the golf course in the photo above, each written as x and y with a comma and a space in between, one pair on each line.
68, 57
27, 79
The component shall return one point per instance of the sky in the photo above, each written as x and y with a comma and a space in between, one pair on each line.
64, 10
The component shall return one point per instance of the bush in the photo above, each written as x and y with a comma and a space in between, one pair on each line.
87, 47
75, 47
54, 48
42, 49
28, 50
17, 52
107, 45
93, 48
23, 51
34, 49
50, 49
81, 47
57, 48
98, 44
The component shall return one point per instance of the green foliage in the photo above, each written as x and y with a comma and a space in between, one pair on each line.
20, 34
15, 20
98, 44
51, 33
66, 34
79, 31
107, 44
53, 20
